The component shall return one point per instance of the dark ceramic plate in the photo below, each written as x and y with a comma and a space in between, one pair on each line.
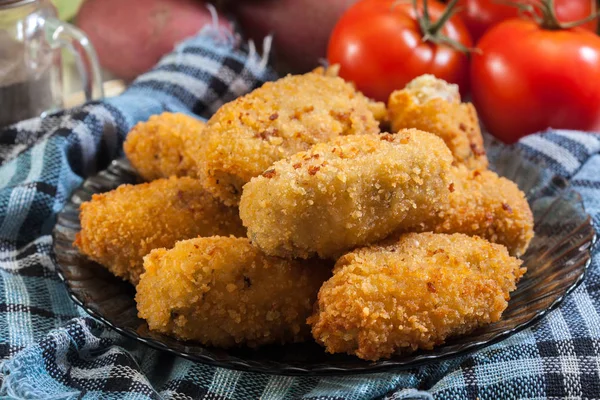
556, 263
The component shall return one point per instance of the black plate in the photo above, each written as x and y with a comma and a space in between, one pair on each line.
556, 262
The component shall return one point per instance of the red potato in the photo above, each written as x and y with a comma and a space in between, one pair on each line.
131, 36
301, 28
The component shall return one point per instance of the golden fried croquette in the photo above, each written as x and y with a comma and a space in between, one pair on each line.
281, 118
412, 293
222, 291
157, 148
486, 205
376, 107
433, 105
120, 227
349, 192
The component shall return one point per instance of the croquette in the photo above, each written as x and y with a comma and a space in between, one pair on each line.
349, 192
378, 108
434, 105
486, 205
412, 293
223, 292
120, 227
157, 148
247, 135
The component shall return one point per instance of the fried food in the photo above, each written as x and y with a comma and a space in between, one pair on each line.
433, 105
281, 118
412, 294
222, 291
157, 148
349, 192
486, 205
376, 107
120, 227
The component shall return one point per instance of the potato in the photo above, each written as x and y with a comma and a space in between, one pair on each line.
131, 36
301, 28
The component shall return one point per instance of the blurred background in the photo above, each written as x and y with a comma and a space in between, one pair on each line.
132, 40
549, 50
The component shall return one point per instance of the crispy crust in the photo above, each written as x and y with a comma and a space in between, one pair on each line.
156, 148
376, 107
413, 293
281, 118
120, 227
486, 205
221, 291
418, 106
349, 192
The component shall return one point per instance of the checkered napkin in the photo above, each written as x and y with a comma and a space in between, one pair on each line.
50, 349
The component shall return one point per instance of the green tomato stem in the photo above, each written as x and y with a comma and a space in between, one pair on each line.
449, 12
543, 12
431, 31
550, 20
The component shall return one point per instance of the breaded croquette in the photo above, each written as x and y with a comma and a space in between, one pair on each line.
349, 192
157, 148
433, 105
281, 118
120, 227
377, 108
486, 205
222, 291
412, 294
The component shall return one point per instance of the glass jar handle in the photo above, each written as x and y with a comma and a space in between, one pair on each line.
61, 34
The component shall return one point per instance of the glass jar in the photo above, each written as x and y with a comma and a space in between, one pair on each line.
31, 39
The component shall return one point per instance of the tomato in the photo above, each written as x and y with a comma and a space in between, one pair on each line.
481, 15
379, 46
528, 78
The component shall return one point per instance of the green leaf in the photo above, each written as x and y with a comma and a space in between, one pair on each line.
67, 9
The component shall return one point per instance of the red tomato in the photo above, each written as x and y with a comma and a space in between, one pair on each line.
527, 79
379, 46
481, 15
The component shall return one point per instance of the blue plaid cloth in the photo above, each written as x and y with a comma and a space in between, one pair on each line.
49, 349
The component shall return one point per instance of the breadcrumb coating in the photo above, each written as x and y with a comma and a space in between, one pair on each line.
349, 192
486, 205
433, 105
222, 291
157, 148
281, 118
412, 294
376, 107
120, 227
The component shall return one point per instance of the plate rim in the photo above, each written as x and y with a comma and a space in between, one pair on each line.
278, 368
